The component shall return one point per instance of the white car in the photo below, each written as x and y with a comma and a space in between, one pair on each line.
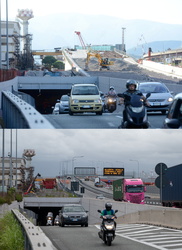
56, 109
160, 98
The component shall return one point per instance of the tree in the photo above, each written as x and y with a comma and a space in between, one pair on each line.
58, 65
48, 61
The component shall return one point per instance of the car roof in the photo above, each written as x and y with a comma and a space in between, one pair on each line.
151, 83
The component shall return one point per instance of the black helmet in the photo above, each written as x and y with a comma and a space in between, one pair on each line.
131, 82
111, 88
108, 206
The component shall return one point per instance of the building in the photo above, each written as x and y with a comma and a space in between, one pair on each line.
13, 43
16, 173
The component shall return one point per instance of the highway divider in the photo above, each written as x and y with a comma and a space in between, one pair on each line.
34, 236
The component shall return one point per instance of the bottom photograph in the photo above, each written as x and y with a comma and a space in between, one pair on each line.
89, 189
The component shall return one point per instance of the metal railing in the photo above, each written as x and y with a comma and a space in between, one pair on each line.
33, 235
17, 113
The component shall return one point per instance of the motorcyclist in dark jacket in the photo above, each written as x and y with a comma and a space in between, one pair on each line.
131, 86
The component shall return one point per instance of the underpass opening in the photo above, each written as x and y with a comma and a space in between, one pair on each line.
46, 99
41, 213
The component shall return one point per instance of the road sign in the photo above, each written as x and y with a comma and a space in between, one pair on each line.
160, 168
113, 171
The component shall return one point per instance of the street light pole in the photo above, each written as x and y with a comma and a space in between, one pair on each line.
75, 157
138, 167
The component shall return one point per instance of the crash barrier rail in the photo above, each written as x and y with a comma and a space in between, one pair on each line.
33, 235
17, 113
74, 65
27, 98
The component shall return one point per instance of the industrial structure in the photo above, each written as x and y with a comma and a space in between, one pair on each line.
17, 170
19, 55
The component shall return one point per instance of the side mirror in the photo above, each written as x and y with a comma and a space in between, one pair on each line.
116, 211
99, 211
148, 95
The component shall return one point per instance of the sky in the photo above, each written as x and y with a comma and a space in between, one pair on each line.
57, 33
156, 10
131, 149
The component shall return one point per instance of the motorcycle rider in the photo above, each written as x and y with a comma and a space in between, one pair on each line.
131, 86
112, 92
107, 211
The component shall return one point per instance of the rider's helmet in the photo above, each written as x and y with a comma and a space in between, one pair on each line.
108, 206
111, 88
131, 82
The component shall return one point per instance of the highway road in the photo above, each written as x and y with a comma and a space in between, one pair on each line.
92, 121
120, 70
128, 237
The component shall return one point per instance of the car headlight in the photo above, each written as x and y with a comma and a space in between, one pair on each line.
75, 101
170, 99
84, 215
98, 100
65, 216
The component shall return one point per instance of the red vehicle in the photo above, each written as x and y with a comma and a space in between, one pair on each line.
49, 183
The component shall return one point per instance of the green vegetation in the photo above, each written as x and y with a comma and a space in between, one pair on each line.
11, 236
10, 196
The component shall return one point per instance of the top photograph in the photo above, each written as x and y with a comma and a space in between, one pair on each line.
78, 70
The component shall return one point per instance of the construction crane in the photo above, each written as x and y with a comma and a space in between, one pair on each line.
103, 62
81, 39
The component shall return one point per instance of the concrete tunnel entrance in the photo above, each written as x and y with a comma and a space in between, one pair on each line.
42, 205
46, 99
41, 213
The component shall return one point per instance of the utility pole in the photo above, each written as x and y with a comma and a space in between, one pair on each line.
123, 44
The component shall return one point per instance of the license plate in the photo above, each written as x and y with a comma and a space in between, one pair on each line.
74, 220
86, 106
156, 103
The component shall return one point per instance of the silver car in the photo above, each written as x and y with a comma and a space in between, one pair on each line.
56, 109
64, 104
160, 98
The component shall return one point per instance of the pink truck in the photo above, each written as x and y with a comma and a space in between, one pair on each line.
129, 190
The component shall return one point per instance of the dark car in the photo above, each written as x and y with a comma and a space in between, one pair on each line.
174, 116
73, 214
160, 98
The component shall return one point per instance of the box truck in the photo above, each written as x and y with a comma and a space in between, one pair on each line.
129, 190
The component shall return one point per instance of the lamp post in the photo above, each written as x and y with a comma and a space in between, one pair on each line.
75, 157
138, 167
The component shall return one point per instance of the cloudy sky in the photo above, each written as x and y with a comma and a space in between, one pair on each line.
55, 149
54, 23
156, 10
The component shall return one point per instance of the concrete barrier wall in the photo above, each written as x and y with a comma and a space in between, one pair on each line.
136, 213
162, 68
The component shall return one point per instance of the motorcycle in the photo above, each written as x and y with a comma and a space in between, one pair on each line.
49, 219
107, 228
111, 103
136, 113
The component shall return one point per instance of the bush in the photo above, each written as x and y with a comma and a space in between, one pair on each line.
11, 236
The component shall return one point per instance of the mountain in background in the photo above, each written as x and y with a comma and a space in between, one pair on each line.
158, 46
58, 30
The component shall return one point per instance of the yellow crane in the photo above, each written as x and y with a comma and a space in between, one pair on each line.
103, 62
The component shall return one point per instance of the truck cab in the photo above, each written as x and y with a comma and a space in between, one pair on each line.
134, 191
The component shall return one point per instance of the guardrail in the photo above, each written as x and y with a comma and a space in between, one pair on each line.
17, 113
33, 235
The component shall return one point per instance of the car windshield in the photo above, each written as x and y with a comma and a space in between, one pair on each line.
73, 209
85, 90
134, 189
153, 88
64, 98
